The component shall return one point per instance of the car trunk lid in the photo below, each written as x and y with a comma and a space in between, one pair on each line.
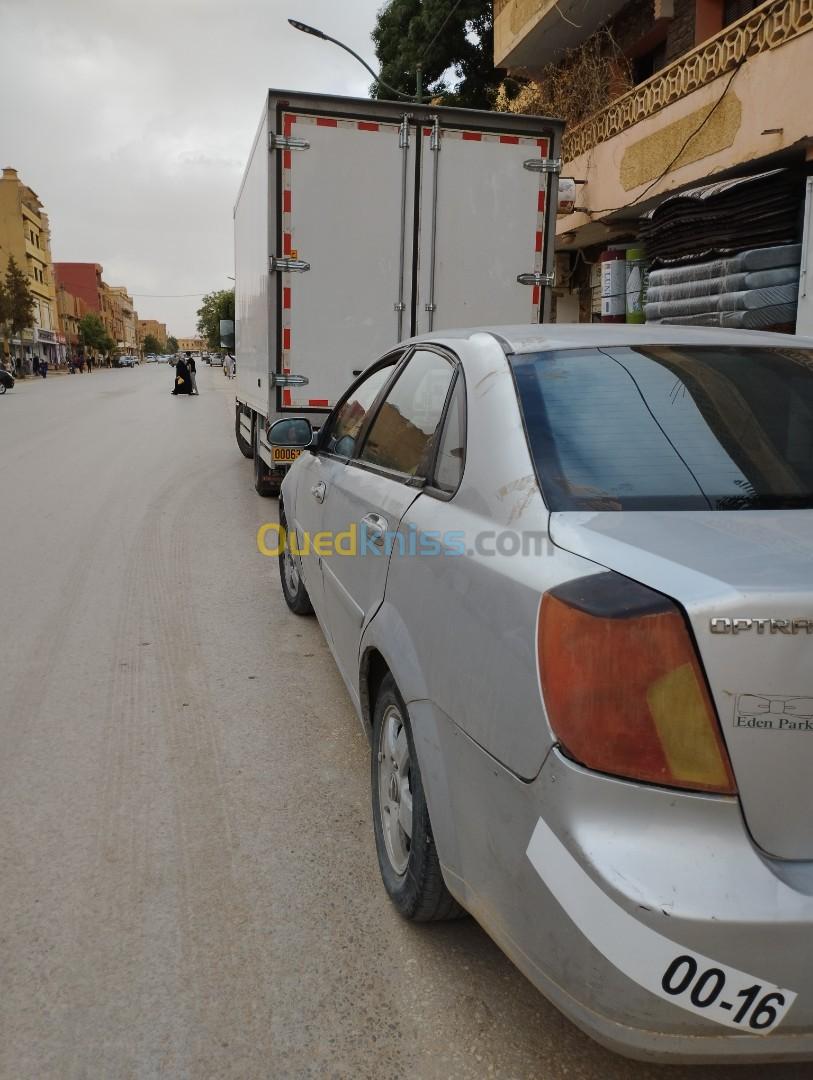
745, 581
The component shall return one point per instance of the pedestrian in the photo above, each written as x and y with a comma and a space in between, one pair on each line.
90, 363
36, 365
44, 368
183, 378
193, 372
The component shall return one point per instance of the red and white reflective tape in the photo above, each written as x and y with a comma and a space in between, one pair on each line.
539, 240
288, 121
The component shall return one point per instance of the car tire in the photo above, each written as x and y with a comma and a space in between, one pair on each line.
265, 483
293, 587
246, 448
2, 388
407, 857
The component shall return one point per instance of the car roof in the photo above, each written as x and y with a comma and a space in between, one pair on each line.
540, 337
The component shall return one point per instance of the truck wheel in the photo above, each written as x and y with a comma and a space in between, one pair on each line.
407, 857
265, 483
293, 588
246, 449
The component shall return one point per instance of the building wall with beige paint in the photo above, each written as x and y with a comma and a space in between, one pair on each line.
765, 110
193, 344
25, 234
158, 330
126, 317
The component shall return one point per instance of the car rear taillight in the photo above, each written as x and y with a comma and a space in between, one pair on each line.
623, 687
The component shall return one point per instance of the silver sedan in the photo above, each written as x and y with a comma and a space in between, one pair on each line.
567, 576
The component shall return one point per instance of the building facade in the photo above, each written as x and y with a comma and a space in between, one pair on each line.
193, 344
124, 317
698, 152
25, 235
70, 309
151, 327
84, 281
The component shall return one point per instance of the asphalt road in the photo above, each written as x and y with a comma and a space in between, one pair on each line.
188, 883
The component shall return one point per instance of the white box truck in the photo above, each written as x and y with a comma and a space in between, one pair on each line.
359, 223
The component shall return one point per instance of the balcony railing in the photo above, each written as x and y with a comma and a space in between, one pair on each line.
766, 27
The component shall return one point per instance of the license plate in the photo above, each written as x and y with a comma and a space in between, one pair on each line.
284, 455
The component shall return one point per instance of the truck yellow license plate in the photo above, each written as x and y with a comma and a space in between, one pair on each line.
285, 455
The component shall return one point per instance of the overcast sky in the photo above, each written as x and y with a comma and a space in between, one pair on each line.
132, 121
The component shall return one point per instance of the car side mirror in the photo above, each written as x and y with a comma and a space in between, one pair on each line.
296, 432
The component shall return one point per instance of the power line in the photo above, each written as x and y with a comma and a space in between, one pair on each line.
428, 48
614, 209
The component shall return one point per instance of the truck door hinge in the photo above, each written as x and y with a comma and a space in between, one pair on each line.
536, 278
288, 380
434, 138
287, 266
403, 132
287, 142
545, 165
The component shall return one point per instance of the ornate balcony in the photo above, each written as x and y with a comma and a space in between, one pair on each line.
770, 25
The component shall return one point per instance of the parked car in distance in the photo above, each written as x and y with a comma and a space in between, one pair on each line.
127, 361
565, 573
151, 358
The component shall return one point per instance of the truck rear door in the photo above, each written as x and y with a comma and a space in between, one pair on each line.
483, 216
343, 210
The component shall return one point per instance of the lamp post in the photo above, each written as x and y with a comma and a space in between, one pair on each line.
418, 96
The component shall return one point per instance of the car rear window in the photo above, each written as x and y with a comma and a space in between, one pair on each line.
670, 428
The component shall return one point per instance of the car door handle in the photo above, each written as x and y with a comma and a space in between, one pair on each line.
318, 491
376, 527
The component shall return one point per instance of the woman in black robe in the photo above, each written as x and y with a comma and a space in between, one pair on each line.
183, 381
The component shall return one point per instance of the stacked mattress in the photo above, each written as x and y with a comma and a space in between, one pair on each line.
750, 290
725, 217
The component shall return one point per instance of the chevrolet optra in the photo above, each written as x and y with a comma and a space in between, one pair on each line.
566, 573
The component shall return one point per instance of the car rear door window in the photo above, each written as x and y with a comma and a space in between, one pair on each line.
402, 435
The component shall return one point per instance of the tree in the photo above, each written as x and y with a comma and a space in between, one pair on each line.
216, 305
20, 303
172, 345
151, 344
455, 51
92, 332
5, 316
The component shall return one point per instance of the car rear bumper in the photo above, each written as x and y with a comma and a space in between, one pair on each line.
627, 879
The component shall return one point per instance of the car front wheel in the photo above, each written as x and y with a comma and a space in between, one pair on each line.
407, 857
293, 587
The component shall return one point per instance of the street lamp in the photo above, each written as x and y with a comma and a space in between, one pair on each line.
418, 98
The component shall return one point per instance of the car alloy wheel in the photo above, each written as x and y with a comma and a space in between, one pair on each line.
394, 790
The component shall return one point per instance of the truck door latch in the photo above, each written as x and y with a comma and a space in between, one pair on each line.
284, 265
544, 165
536, 278
287, 142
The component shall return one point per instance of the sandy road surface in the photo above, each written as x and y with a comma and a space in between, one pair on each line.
188, 885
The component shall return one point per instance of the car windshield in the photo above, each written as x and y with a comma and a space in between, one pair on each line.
670, 427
